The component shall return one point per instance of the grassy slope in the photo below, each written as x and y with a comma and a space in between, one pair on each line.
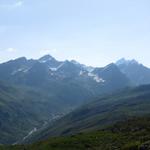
22, 109
16, 116
128, 135
99, 114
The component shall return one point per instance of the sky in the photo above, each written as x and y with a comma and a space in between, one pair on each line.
93, 32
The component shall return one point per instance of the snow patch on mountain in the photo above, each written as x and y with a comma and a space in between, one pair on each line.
24, 70
55, 69
88, 68
82, 72
96, 78
30, 133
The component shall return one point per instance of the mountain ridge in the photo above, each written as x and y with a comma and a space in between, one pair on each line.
45, 88
54, 87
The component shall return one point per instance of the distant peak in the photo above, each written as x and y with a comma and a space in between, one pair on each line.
112, 65
46, 58
133, 61
74, 62
126, 61
21, 59
122, 60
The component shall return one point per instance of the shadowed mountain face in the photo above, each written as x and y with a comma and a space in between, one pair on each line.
35, 92
47, 69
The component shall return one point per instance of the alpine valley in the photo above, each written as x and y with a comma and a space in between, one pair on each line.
64, 102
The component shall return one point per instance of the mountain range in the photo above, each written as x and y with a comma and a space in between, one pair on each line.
36, 93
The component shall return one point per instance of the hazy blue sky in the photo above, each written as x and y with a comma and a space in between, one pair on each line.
94, 32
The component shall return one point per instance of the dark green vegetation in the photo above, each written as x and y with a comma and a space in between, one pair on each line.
133, 134
101, 113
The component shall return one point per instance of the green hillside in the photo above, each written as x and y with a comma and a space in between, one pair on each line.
133, 134
101, 113
23, 109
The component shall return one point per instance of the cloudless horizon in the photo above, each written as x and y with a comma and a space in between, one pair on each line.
93, 32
